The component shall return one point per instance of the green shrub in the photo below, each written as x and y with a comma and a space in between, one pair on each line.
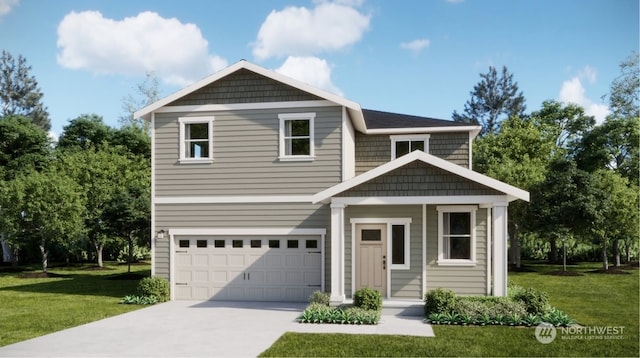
154, 286
535, 302
320, 297
139, 300
367, 298
438, 301
320, 313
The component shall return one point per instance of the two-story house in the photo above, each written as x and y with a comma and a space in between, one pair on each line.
267, 189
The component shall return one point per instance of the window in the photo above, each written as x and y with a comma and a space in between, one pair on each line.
256, 244
456, 235
401, 145
274, 244
296, 136
311, 244
236, 244
196, 139
292, 244
201, 243
397, 245
183, 243
218, 243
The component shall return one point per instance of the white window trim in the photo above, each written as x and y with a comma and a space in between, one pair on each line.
183, 121
404, 138
472, 209
284, 117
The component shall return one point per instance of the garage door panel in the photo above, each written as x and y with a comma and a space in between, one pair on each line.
248, 268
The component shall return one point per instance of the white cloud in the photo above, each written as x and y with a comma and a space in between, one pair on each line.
310, 70
573, 91
6, 6
299, 31
176, 52
415, 45
53, 136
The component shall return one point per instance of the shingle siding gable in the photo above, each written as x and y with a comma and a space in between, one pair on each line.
418, 179
244, 86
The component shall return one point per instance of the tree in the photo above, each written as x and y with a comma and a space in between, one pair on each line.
23, 146
43, 206
99, 173
84, 132
517, 155
564, 124
624, 98
133, 140
19, 91
146, 93
492, 100
128, 213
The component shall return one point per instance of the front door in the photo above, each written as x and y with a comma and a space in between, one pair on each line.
371, 257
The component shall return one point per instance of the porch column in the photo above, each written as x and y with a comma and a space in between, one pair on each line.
337, 253
500, 236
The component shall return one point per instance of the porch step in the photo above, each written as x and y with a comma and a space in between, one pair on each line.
403, 308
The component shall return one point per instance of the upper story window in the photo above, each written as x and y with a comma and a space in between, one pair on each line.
196, 139
402, 144
296, 136
456, 235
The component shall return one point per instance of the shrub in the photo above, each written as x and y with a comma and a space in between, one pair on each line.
320, 313
535, 302
155, 286
139, 300
320, 297
367, 298
439, 301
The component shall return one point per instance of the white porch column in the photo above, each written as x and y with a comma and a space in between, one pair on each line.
500, 236
337, 253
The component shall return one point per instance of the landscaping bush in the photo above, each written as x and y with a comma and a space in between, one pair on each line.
320, 297
320, 313
438, 301
536, 302
367, 298
139, 300
154, 286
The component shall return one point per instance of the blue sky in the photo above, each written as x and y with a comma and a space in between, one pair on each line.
419, 57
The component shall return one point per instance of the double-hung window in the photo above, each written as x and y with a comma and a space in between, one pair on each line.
196, 139
456, 235
296, 136
403, 144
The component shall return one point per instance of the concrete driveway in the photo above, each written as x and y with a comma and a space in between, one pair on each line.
195, 329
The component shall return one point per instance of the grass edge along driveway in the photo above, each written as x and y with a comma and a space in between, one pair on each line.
594, 300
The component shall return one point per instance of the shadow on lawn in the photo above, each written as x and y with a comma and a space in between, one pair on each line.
80, 284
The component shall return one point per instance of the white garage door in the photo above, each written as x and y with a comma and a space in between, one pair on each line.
252, 268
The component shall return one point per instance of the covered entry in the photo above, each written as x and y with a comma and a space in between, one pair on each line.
277, 267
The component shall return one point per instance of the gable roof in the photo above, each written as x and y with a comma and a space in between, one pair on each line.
365, 121
512, 192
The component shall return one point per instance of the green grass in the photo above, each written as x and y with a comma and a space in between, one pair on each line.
32, 307
592, 299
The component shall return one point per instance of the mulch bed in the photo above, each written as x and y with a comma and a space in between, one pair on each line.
564, 273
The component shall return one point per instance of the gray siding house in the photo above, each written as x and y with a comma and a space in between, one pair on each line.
267, 189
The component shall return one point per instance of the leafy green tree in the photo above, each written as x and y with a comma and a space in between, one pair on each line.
43, 206
23, 146
128, 213
133, 140
84, 132
564, 124
100, 174
517, 155
493, 99
19, 91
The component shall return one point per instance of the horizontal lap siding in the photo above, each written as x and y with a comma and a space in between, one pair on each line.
404, 283
462, 280
245, 153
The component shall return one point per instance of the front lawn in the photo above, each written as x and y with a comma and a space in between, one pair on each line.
32, 307
592, 300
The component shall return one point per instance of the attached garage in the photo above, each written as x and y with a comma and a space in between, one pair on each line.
247, 267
